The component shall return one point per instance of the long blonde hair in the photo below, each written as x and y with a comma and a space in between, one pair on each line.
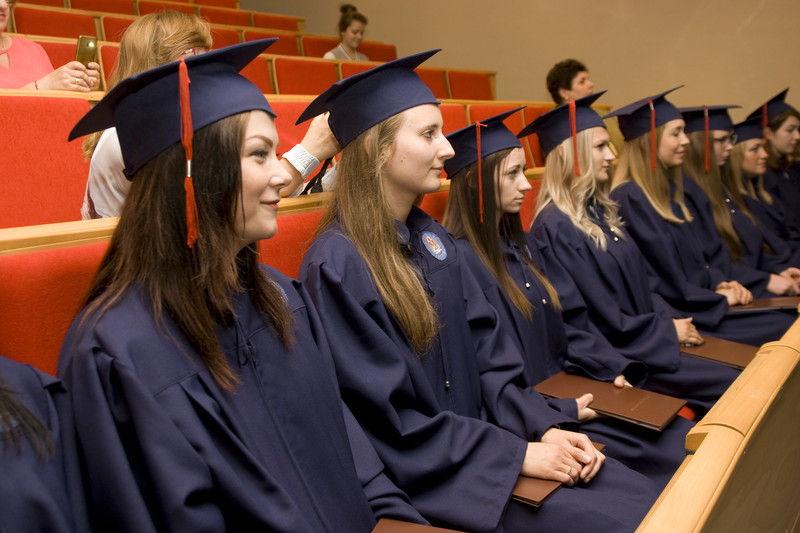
573, 194
461, 217
634, 165
361, 207
152, 40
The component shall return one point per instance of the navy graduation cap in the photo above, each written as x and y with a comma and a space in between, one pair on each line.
749, 129
563, 122
772, 108
359, 102
706, 119
479, 140
157, 108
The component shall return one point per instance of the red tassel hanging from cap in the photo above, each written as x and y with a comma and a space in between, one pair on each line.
187, 133
478, 127
764, 120
573, 127
705, 129
652, 135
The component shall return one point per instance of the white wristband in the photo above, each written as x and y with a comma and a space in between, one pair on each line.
300, 159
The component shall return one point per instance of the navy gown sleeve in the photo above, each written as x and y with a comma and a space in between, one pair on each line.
690, 291
455, 469
34, 492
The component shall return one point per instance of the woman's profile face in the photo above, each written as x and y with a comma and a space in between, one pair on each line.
512, 184
354, 34
754, 161
723, 144
262, 179
784, 139
420, 150
673, 143
602, 156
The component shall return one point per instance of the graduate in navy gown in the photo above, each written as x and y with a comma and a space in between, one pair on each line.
724, 226
649, 188
203, 391
619, 329
34, 495
781, 126
421, 359
743, 176
484, 218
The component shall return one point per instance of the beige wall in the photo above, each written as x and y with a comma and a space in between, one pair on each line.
724, 51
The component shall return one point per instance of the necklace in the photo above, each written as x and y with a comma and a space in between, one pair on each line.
353, 57
3, 49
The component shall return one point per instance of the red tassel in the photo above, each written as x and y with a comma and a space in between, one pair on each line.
187, 134
764, 120
652, 136
705, 116
573, 125
478, 126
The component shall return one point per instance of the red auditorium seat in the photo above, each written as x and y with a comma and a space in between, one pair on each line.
470, 85
286, 44
258, 72
224, 37
229, 4
435, 80
52, 3
377, 51
43, 175
275, 22
114, 27
317, 45
434, 204
528, 210
454, 116
60, 53
530, 114
108, 6
52, 22
108, 59
303, 76
285, 251
290, 133
349, 68
231, 17
152, 6
40, 294
514, 122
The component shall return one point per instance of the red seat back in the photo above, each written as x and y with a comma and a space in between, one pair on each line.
434, 204
286, 44
350, 68
40, 294
454, 116
153, 6
376, 51
223, 37
232, 17
114, 27
285, 251
43, 175
258, 72
303, 76
107, 6
528, 210
108, 59
469, 85
290, 133
228, 4
515, 123
275, 22
55, 23
530, 114
317, 45
434, 78
58, 52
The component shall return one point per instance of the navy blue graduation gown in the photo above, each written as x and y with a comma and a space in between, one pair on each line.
686, 280
616, 322
164, 448
428, 416
543, 343
714, 248
34, 493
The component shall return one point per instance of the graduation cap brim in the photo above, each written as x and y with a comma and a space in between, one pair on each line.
495, 136
101, 116
750, 128
368, 98
718, 118
775, 106
634, 119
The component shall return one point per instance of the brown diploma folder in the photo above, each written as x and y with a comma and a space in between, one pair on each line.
729, 353
762, 304
641, 407
387, 525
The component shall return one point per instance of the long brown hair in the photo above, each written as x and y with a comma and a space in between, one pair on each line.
634, 165
461, 217
192, 286
573, 194
752, 186
361, 207
775, 160
152, 40
18, 423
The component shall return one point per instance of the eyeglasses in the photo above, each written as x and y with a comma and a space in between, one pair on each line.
732, 138
196, 51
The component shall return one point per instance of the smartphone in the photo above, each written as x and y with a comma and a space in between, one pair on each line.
86, 50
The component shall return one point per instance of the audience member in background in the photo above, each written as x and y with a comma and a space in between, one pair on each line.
421, 357
33, 420
569, 80
152, 40
728, 230
648, 186
351, 29
484, 218
203, 389
25, 65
